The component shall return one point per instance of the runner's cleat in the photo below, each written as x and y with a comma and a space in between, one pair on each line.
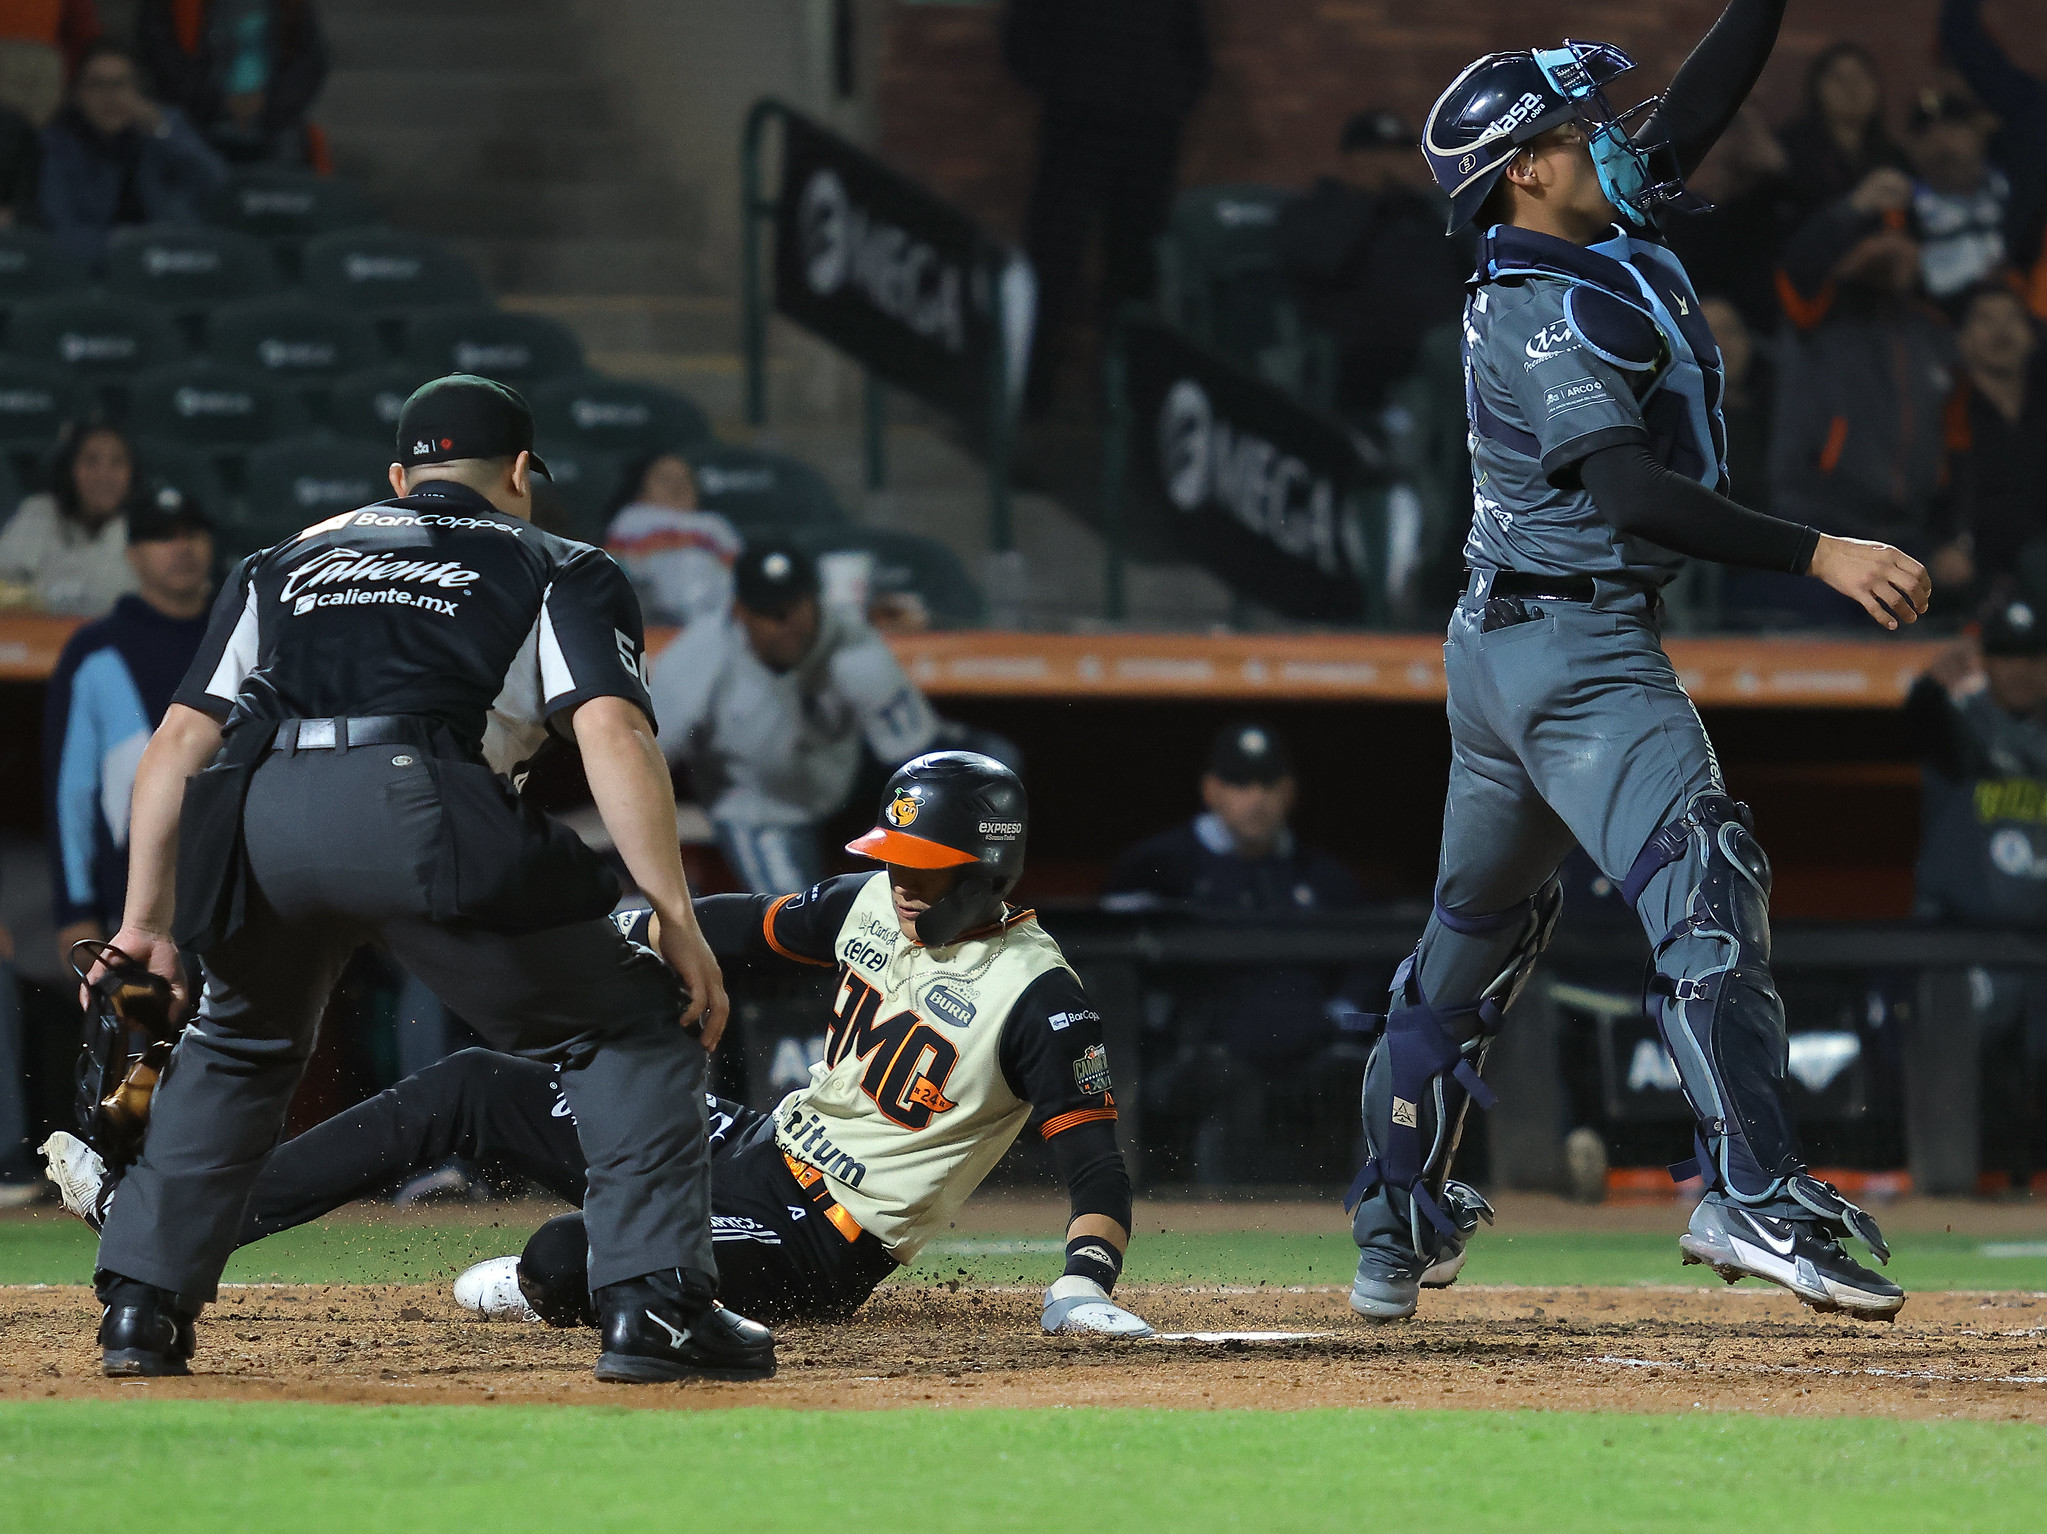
1801, 1252
80, 1177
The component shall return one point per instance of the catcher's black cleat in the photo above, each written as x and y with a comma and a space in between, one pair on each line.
661, 1328
1799, 1249
142, 1333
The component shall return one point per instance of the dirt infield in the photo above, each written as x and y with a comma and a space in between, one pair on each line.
1651, 1350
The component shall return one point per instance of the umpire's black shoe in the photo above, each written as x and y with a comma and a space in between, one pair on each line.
662, 1327
142, 1332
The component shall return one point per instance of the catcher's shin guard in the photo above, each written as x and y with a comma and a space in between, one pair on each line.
1424, 1072
1716, 1005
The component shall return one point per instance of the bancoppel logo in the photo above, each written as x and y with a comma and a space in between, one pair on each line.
312, 492
1002, 830
179, 261
365, 268
1553, 340
353, 570
429, 519
596, 414
118, 347
1204, 459
190, 403
483, 356
1061, 1021
902, 276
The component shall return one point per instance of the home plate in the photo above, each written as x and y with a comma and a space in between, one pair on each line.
1241, 1336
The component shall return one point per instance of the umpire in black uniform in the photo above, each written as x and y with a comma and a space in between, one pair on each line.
363, 692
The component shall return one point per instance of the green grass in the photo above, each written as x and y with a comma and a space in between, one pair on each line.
508, 1469
56, 1250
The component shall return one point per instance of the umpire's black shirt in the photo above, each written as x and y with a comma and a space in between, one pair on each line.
436, 605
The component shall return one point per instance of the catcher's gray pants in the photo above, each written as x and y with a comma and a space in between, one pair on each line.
341, 845
1572, 728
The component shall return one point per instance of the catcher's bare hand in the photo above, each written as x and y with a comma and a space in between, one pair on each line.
1891, 585
683, 946
155, 952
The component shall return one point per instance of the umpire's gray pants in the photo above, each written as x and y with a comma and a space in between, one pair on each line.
341, 846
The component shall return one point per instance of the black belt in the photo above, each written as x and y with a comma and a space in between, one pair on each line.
1554, 588
340, 734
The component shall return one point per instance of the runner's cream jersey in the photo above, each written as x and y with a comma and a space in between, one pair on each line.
913, 1105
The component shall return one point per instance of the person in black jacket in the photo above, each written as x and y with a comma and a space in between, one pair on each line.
1243, 1038
245, 72
1117, 78
1840, 138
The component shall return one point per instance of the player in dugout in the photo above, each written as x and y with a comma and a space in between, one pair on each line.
956, 1022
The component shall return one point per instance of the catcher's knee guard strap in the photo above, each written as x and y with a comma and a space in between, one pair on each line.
1421, 1057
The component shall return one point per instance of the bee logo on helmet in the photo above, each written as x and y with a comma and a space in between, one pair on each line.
902, 809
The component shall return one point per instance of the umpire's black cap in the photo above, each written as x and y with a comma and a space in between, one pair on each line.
773, 575
1249, 752
463, 416
2016, 627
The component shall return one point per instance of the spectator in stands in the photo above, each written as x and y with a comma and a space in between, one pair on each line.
1733, 247
1996, 421
1864, 375
2019, 145
1744, 402
112, 156
1978, 718
1117, 79
64, 551
1840, 138
245, 72
1960, 200
678, 557
769, 703
1244, 1038
112, 684
68, 26
1366, 261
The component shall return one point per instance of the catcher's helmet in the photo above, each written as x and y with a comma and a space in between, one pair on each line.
953, 809
1503, 100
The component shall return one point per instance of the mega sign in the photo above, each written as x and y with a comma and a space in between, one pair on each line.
1264, 492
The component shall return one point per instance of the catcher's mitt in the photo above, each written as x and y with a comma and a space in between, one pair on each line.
128, 1037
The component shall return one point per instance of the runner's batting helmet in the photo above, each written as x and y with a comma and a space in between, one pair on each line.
953, 809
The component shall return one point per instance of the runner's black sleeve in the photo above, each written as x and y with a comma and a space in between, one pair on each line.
1054, 1059
804, 928
1638, 496
1716, 79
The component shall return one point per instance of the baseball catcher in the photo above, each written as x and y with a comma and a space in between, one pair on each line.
956, 1023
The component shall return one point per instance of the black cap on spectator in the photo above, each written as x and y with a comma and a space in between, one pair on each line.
463, 416
770, 577
1378, 129
162, 511
1935, 105
2015, 627
1249, 752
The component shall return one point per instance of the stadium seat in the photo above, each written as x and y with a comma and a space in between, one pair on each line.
584, 482
364, 406
189, 271
1220, 280
305, 345
95, 337
518, 349
284, 207
383, 272
32, 265
35, 401
190, 470
617, 415
297, 481
212, 406
760, 490
907, 564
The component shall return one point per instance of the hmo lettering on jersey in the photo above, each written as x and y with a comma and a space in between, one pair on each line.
909, 1061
